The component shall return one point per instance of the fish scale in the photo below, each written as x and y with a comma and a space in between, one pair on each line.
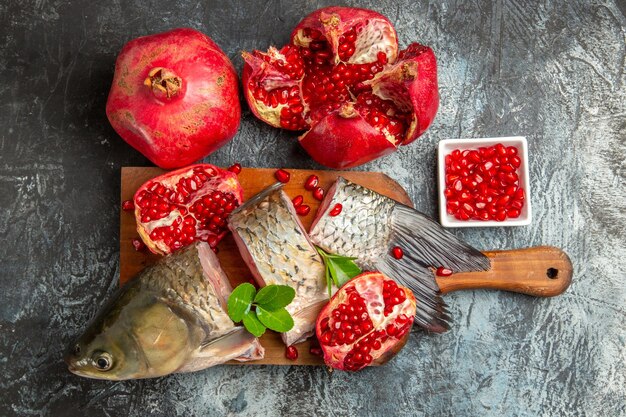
364, 237
278, 251
193, 293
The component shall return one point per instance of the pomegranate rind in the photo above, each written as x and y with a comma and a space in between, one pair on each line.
343, 139
424, 91
225, 181
369, 286
203, 116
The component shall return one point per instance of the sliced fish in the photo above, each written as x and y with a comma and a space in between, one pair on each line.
276, 248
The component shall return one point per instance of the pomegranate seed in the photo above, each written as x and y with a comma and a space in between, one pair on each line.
128, 205
297, 201
443, 272
318, 193
291, 353
397, 252
311, 182
236, 168
138, 245
336, 210
316, 351
303, 210
282, 176
513, 213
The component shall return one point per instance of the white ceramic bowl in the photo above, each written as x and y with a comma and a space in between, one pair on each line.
446, 146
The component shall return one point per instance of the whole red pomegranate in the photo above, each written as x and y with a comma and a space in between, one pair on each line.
368, 320
182, 206
174, 97
343, 80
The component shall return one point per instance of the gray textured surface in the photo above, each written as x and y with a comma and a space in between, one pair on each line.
552, 71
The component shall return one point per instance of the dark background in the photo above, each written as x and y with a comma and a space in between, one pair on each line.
551, 71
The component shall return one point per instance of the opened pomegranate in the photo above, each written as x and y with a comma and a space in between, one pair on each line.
368, 320
180, 207
342, 80
174, 97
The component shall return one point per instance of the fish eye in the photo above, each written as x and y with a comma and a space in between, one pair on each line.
76, 349
103, 361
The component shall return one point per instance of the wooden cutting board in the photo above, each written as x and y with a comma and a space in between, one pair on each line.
252, 180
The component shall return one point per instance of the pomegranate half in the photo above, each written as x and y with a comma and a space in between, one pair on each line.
174, 97
343, 80
183, 206
368, 320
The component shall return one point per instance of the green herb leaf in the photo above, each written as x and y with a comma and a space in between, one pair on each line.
261, 310
344, 270
339, 269
273, 297
252, 324
329, 281
240, 300
278, 320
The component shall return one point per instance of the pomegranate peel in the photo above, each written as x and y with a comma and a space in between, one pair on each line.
368, 320
179, 207
344, 140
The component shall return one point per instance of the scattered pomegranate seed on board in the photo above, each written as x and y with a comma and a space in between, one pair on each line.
291, 353
318, 193
297, 201
282, 176
128, 205
236, 168
311, 182
316, 350
303, 210
138, 245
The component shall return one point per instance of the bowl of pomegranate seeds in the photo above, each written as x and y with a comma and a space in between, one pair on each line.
484, 182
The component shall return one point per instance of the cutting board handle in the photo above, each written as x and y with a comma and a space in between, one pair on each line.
542, 271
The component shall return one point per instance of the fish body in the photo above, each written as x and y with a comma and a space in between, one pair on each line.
170, 318
370, 225
277, 250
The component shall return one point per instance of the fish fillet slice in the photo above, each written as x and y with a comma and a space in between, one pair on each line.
370, 225
226, 341
276, 248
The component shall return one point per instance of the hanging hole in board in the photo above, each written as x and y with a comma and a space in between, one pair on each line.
552, 273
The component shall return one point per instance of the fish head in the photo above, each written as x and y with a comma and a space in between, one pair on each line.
107, 349
135, 336
105, 356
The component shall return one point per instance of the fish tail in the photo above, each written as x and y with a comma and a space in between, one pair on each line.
426, 246
432, 245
